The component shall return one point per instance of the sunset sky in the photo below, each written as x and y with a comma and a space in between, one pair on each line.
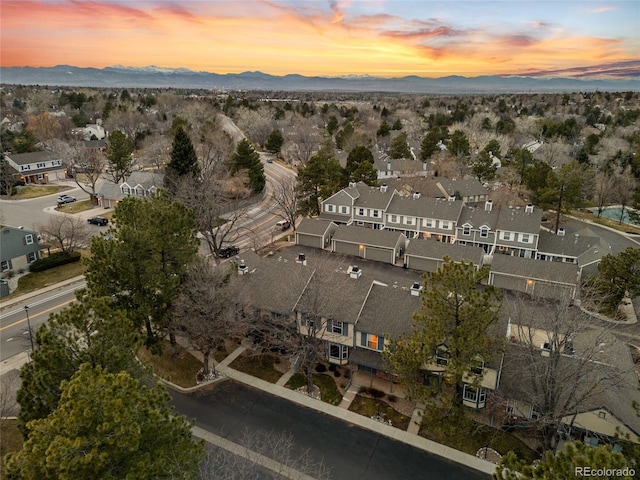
389, 38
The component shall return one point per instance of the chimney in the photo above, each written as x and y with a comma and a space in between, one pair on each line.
301, 259
488, 205
416, 195
354, 272
528, 208
242, 268
561, 232
383, 187
352, 184
415, 289
452, 198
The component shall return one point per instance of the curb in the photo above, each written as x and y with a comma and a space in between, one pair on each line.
23, 298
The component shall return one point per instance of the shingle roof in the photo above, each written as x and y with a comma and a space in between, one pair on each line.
314, 226
471, 186
426, 207
438, 250
553, 272
373, 197
477, 217
33, 157
367, 236
388, 310
517, 220
565, 245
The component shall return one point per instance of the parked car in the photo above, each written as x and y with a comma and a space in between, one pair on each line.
62, 199
283, 225
227, 252
101, 221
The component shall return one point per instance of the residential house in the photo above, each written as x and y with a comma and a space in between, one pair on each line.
91, 131
422, 217
370, 205
37, 167
380, 245
582, 250
600, 407
428, 255
470, 191
477, 227
389, 168
316, 233
139, 184
518, 230
20, 247
536, 277
339, 206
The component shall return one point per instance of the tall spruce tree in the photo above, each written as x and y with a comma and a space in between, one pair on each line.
183, 160
247, 159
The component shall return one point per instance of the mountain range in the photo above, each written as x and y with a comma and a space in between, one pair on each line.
159, 77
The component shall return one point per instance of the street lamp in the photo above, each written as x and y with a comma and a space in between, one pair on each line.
26, 309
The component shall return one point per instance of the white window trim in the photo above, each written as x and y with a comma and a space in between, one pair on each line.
5, 265
466, 230
506, 236
484, 232
474, 394
31, 257
329, 208
343, 351
445, 225
428, 222
337, 327
28, 239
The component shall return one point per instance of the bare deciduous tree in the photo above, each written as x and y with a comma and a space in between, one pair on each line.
87, 167
206, 310
214, 199
65, 232
557, 362
285, 196
258, 452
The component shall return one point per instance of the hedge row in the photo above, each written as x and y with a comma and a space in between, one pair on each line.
54, 260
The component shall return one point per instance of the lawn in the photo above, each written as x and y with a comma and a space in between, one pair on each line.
10, 440
260, 366
328, 390
35, 281
36, 191
76, 207
175, 365
372, 407
470, 441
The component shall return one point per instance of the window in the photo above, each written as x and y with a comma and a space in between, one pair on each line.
376, 213
428, 222
338, 327
408, 220
361, 212
56, 163
369, 340
140, 192
484, 232
478, 368
442, 357
341, 352
31, 257
474, 394
344, 209
25, 167
445, 225
40, 165
5, 265
40, 176
525, 238
466, 230
602, 415
394, 219
506, 236
126, 190
28, 239
307, 322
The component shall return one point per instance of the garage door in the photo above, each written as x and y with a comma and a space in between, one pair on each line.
378, 254
422, 264
308, 240
348, 248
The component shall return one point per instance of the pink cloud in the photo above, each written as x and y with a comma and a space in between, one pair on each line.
603, 9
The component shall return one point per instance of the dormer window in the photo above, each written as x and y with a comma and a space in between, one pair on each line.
466, 230
484, 232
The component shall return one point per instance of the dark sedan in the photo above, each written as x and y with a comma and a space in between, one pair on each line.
98, 221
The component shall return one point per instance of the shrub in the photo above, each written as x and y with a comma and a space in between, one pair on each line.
392, 398
336, 374
332, 368
375, 393
54, 260
321, 368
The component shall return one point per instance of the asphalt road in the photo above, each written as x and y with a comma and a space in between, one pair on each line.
14, 331
233, 410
